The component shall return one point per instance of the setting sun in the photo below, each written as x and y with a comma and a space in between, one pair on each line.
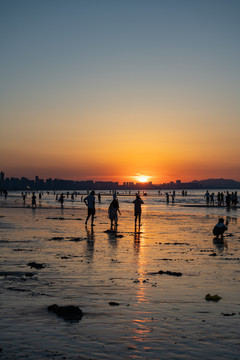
142, 178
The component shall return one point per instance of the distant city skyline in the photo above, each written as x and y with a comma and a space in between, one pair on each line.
48, 183
115, 90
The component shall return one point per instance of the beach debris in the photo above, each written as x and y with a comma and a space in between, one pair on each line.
206, 250
162, 272
16, 273
36, 265
214, 298
23, 250
136, 281
173, 273
226, 314
76, 239
57, 238
177, 243
61, 218
67, 312
113, 303
29, 274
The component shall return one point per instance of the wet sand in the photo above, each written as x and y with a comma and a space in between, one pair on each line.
153, 316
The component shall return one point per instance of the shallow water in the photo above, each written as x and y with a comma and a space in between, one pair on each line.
158, 317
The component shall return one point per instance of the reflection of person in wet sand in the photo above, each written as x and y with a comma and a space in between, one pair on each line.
90, 243
113, 211
220, 228
137, 241
138, 209
90, 203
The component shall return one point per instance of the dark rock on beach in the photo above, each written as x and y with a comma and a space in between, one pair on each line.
36, 265
68, 312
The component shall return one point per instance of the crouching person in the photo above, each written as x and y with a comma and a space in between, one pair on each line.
220, 228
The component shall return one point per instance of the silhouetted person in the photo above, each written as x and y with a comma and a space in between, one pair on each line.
90, 203
220, 228
99, 197
113, 211
235, 199
24, 198
61, 199
207, 196
228, 201
138, 209
222, 198
34, 200
212, 199
167, 198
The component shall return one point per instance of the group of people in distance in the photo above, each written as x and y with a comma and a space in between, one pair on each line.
229, 199
113, 209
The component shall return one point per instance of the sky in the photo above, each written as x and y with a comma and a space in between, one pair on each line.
114, 89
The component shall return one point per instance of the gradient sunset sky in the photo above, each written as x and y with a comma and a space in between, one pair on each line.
113, 89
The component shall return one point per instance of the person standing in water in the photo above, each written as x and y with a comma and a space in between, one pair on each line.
113, 211
90, 203
138, 209
34, 200
61, 199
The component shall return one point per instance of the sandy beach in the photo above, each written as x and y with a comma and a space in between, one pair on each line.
134, 306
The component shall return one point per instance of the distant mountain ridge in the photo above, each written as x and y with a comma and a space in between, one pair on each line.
216, 183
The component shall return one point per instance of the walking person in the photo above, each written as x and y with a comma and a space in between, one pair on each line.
90, 203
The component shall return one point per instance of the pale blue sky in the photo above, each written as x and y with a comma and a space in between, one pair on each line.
140, 61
